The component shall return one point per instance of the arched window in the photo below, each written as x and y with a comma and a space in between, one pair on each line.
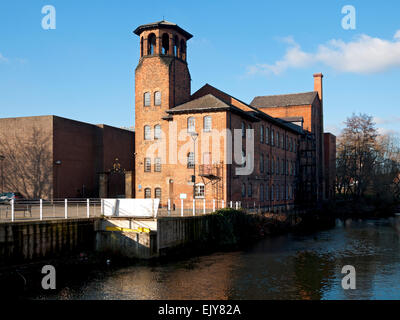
207, 123
146, 99
262, 193
261, 163
157, 165
277, 193
141, 47
182, 53
250, 191
277, 166
261, 134
147, 133
190, 160
243, 190
191, 123
243, 130
272, 138
157, 98
157, 132
151, 44
277, 139
267, 164
272, 192
266, 193
165, 43
176, 46
267, 135
272, 165
147, 193
157, 193
147, 165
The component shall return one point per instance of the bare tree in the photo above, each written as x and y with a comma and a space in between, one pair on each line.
27, 165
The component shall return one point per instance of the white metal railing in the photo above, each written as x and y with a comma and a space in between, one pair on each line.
21, 210
196, 207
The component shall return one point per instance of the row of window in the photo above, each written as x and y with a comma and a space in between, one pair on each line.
157, 193
147, 132
179, 47
276, 139
277, 166
147, 99
199, 192
277, 193
147, 165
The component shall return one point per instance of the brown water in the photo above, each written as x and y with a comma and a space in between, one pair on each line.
285, 267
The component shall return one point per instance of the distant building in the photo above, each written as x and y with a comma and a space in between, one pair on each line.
53, 157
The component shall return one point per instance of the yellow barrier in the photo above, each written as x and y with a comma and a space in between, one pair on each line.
140, 229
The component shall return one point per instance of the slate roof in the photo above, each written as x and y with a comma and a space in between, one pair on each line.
164, 24
206, 103
284, 100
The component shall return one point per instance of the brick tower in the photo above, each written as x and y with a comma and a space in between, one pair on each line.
162, 81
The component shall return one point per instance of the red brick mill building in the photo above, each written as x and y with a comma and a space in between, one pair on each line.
187, 144
289, 140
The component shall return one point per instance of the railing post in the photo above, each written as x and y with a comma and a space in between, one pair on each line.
213, 205
169, 207
194, 207
181, 207
88, 208
12, 210
231, 205
41, 209
236, 205
66, 208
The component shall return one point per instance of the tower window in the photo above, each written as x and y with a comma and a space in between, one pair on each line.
147, 193
157, 98
157, 132
176, 45
157, 193
165, 43
147, 133
146, 99
151, 44
141, 47
183, 50
207, 124
191, 122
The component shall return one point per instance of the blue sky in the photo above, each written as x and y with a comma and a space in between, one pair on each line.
84, 69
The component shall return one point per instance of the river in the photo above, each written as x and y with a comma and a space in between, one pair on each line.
291, 266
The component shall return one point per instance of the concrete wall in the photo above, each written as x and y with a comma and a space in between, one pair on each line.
22, 242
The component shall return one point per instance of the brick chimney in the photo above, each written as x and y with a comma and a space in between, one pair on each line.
318, 84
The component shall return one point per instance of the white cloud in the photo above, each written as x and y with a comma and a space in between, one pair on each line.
364, 54
382, 121
3, 58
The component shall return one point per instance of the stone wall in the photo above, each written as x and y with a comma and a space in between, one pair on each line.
23, 242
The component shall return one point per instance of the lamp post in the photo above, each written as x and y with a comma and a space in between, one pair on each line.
194, 136
2, 172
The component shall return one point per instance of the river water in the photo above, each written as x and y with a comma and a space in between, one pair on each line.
290, 266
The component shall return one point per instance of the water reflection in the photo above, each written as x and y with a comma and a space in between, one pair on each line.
284, 267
